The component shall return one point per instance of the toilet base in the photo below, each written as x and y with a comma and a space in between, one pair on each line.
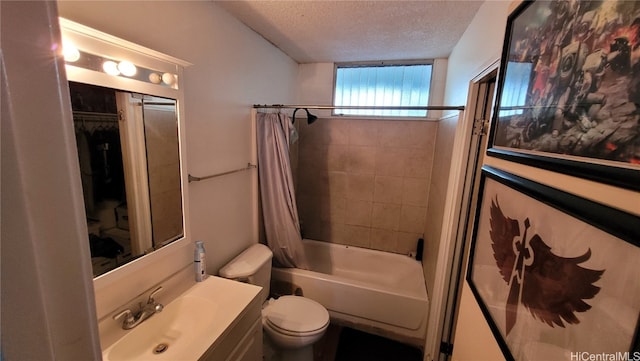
272, 352
300, 354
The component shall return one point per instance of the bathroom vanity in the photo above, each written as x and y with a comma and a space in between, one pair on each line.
214, 320
242, 339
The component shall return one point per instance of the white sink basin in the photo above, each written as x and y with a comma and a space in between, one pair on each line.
187, 326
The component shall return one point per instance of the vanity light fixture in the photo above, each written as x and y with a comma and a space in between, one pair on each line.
115, 67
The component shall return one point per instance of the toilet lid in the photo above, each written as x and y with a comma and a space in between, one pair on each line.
297, 314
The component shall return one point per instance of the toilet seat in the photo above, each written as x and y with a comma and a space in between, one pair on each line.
292, 333
296, 316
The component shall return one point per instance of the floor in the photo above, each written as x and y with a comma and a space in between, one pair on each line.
346, 344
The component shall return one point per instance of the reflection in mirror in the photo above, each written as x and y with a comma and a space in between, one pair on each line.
129, 159
163, 162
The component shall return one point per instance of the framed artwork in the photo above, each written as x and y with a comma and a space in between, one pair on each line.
555, 275
568, 92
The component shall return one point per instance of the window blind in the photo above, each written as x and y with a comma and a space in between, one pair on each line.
389, 85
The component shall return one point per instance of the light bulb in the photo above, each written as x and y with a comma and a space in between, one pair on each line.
70, 52
155, 78
168, 78
127, 68
110, 67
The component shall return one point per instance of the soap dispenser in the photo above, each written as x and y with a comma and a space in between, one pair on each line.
199, 262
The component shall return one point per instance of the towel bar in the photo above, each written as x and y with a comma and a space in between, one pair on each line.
197, 179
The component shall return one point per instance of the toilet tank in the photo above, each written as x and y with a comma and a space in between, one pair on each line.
253, 266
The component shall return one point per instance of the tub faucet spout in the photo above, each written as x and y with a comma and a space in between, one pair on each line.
131, 320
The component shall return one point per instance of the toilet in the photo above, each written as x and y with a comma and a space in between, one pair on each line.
292, 323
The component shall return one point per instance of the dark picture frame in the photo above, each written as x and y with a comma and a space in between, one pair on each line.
568, 92
554, 274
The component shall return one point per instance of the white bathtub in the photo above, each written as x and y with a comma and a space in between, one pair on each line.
378, 292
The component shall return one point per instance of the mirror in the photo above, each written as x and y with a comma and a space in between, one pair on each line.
128, 152
129, 120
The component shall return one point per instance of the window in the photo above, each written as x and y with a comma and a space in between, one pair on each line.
382, 85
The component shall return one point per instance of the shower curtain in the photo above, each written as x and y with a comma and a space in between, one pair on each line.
282, 225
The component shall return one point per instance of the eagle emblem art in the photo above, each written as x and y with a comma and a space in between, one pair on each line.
551, 287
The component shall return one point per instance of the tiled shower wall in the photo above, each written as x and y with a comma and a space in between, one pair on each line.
163, 161
364, 182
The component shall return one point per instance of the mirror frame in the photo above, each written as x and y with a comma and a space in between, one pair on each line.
100, 44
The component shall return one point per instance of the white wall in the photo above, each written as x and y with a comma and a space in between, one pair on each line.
48, 311
315, 84
232, 69
479, 47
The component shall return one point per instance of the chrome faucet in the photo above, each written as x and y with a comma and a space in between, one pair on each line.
132, 320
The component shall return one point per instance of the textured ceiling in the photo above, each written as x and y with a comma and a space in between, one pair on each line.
342, 31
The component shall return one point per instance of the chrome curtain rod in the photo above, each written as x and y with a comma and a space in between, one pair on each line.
350, 107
